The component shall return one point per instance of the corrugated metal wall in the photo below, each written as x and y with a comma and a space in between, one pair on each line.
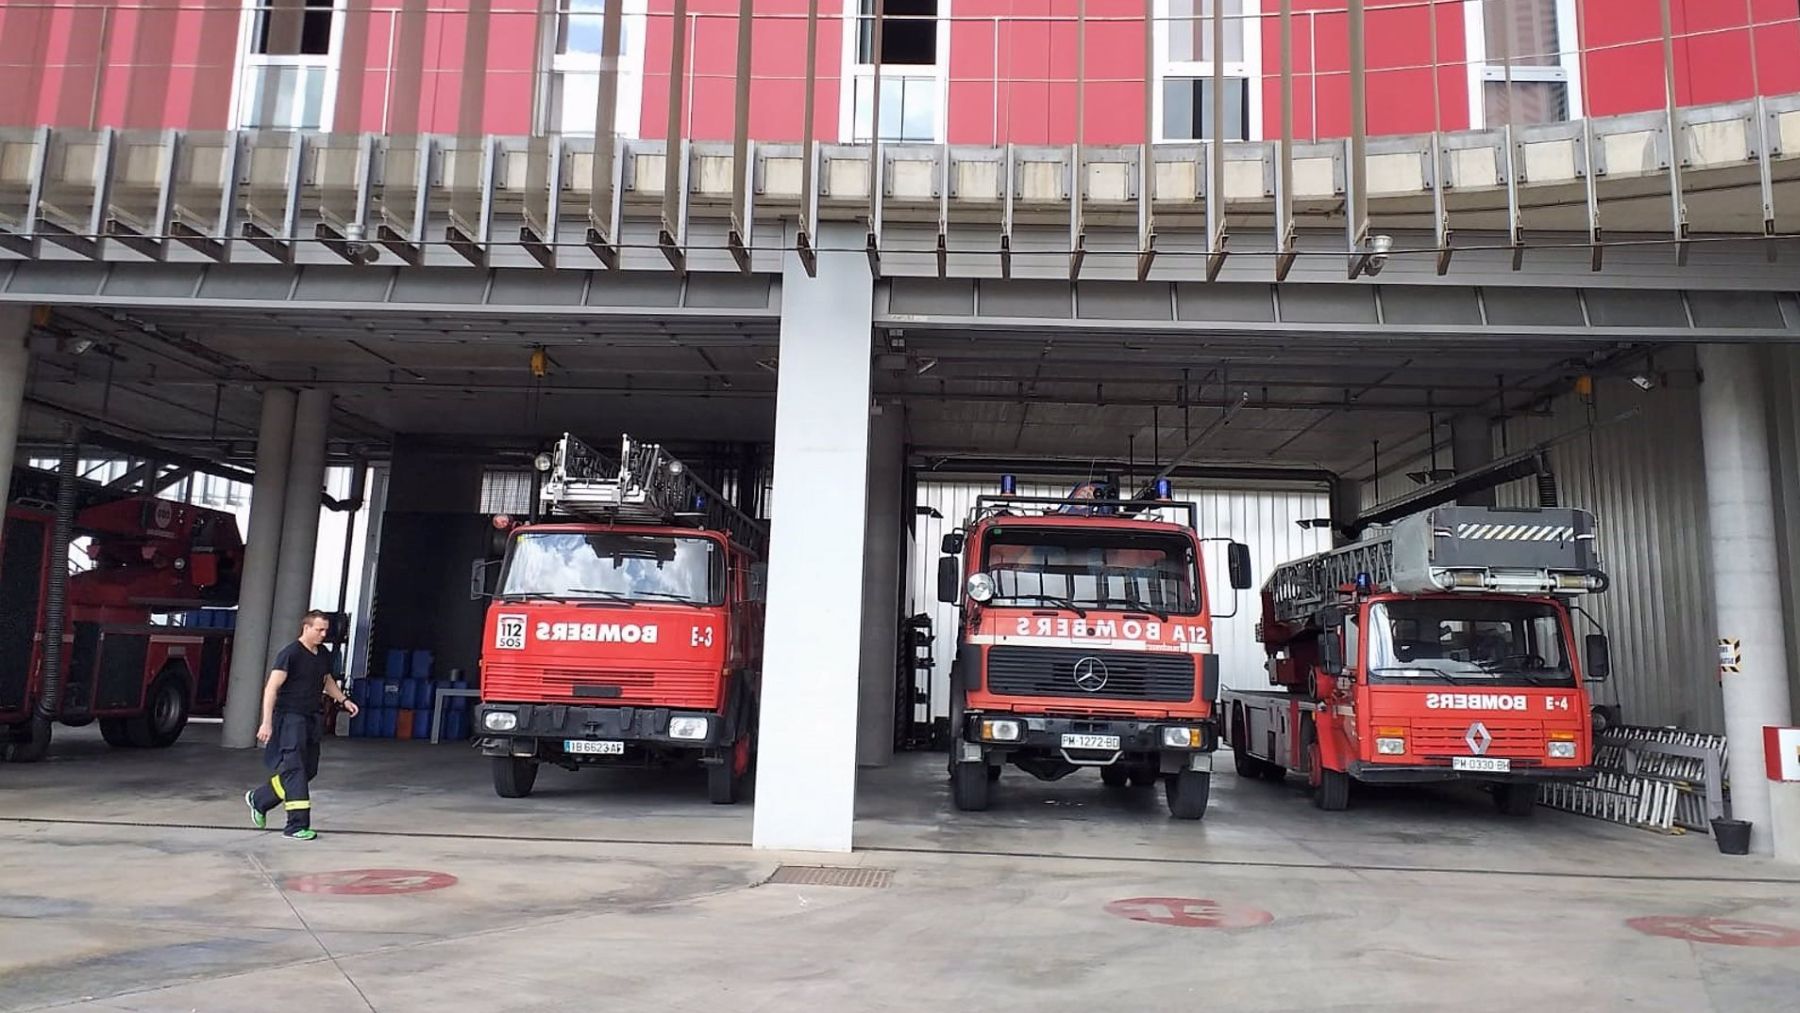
1262, 518
1784, 433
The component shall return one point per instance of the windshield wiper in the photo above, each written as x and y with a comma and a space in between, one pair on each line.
1046, 599
1440, 673
672, 596
1137, 606
578, 593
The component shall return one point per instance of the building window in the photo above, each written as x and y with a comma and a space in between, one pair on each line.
571, 86
1184, 70
914, 61
1525, 59
290, 64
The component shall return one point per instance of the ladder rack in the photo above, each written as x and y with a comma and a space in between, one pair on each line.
644, 485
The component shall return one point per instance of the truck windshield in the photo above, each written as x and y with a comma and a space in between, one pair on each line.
1092, 568
616, 566
1487, 642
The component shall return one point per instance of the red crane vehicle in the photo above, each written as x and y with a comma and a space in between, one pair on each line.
626, 629
1441, 649
121, 663
1084, 641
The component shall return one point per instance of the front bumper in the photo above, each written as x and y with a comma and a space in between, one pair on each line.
641, 725
1400, 773
1044, 734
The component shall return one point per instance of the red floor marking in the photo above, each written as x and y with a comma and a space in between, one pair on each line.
367, 882
1719, 931
1189, 913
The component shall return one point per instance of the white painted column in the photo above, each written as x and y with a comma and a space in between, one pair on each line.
1747, 603
806, 751
262, 549
884, 543
15, 361
300, 516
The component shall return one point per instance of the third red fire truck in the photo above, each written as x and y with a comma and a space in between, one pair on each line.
1441, 649
626, 629
1084, 642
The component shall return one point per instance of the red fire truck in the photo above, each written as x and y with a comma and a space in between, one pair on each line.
626, 630
1441, 649
1084, 641
121, 664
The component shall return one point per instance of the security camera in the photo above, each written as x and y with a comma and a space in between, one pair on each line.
357, 246
1377, 257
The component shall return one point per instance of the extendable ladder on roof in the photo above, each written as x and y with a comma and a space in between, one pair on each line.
645, 485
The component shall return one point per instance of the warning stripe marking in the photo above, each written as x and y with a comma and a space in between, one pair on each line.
1515, 532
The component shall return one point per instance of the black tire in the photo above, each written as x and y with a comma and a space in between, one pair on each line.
1145, 777
514, 776
1333, 792
1272, 772
165, 714
1245, 764
1516, 800
969, 787
1114, 775
723, 782
115, 733
32, 744
1187, 793
994, 773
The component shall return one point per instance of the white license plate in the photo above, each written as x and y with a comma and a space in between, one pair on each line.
603, 748
1090, 741
1484, 764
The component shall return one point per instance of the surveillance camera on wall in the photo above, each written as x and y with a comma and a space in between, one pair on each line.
356, 244
1379, 248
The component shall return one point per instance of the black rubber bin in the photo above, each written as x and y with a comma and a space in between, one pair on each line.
1733, 836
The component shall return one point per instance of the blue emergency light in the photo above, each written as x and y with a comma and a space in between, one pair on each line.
1008, 485
1165, 489
1363, 584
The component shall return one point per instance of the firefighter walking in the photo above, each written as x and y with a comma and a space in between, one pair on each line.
292, 725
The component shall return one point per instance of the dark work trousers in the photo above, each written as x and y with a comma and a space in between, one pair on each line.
293, 756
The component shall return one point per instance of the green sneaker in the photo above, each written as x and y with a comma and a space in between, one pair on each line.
258, 818
302, 834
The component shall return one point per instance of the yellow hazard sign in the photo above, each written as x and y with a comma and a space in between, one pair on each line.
1731, 656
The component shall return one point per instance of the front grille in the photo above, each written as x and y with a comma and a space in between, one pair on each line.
1442, 739
1050, 671
528, 683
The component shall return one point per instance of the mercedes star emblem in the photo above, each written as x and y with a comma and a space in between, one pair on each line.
1478, 738
1090, 674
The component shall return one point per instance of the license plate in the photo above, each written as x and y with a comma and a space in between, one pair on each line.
1090, 741
589, 746
1484, 764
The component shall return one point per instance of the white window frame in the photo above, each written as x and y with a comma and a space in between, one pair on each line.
1249, 69
1567, 72
854, 71
628, 118
248, 62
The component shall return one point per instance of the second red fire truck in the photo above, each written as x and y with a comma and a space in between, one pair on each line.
626, 629
1442, 649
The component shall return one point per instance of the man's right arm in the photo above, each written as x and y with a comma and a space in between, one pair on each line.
270, 689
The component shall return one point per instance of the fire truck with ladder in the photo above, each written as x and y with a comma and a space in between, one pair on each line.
118, 661
626, 627
1084, 641
1442, 648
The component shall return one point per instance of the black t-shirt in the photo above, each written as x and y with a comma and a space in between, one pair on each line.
303, 691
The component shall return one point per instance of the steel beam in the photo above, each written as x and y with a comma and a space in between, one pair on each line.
1677, 201
606, 182
672, 237
743, 170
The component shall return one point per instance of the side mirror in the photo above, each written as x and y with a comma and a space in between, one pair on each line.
1331, 650
949, 580
953, 543
478, 578
1237, 558
1599, 657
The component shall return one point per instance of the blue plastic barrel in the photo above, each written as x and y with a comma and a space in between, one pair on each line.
396, 664
422, 724
420, 667
390, 718
390, 692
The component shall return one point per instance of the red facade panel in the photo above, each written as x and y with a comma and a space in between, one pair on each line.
777, 64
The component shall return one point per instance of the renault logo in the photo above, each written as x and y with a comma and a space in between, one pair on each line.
1478, 738
1090, 674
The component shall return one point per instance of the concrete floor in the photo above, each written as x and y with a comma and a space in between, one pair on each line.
129, 880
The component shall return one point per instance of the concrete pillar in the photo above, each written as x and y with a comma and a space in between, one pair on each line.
300, 516
262, 549
882, 566
1471, 447
15, 329
806, 759
1747, 604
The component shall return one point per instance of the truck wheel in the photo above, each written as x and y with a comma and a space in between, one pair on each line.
115, 733
1145, 777
1187, 793
165, 714
1333, 791
1516, 800
994, 773
514, 776
1114, 775
33, 743
1273, 772
969, 787
725, 779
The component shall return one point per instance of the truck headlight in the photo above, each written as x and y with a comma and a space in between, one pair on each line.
1181, 738
1562, 750
500, 721
981, 587
1000, 731
1390, 747
687, 728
